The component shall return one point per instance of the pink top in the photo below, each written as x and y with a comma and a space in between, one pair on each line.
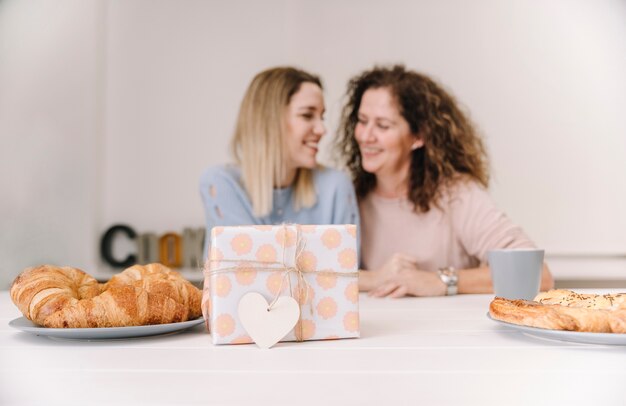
459, 236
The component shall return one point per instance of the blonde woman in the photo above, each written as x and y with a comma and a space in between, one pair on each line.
276, 178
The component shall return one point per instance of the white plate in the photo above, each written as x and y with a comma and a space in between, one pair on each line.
105, 333
573, 336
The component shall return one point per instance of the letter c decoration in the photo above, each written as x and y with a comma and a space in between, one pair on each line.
106, 246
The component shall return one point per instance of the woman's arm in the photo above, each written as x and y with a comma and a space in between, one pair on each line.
224, 201
345, 208
481, 226
478, 280
398, 277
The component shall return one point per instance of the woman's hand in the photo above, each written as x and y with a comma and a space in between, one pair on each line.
371, 279
399, 276
412, 282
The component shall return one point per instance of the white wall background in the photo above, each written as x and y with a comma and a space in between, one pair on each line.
109, 110
50, 134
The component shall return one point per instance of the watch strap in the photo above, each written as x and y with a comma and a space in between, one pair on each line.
450, 278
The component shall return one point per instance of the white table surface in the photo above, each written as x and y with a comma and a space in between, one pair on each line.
428, 351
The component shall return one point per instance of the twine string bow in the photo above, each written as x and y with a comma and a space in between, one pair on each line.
277, 266
281, 266
302, 282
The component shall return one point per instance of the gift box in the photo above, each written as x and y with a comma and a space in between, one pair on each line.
315, 264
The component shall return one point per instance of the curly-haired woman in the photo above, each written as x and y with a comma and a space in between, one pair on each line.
420, 172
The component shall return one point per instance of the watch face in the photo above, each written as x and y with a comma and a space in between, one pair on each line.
450, 278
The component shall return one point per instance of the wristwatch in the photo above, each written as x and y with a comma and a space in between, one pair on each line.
450, 278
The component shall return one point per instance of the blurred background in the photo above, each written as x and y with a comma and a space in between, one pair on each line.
110, 110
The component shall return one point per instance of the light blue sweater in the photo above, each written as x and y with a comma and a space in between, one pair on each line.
226, 202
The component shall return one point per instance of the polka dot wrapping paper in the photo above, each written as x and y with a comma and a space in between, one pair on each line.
315, 264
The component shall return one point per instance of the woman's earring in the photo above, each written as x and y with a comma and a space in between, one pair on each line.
417, 144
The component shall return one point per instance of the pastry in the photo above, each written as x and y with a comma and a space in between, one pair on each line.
42, 291
582, 300
159, 279
565, 310
62, 297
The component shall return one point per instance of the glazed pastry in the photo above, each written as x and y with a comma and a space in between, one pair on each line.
565, 310
590, 301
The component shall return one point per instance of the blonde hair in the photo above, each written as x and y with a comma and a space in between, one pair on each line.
258, 141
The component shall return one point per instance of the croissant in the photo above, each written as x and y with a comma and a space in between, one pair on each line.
160, 280
565, 310
44, 290
61, 297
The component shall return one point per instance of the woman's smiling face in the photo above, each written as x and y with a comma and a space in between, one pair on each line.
304, 126
384, 136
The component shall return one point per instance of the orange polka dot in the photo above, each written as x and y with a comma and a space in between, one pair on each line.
304, 329
215, 231
263, 228
351, 322
274, 282
351, 229
241, 244
286, 236
326, 280
347, 258
327, 308
303, 296
222, 285
307, 261
224, 325
352, 292
215, 254
331, 337
331, 238
206, 303
245, 274
308, 228
266, 253
244, 339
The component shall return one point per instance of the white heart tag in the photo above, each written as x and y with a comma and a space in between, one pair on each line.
266, 327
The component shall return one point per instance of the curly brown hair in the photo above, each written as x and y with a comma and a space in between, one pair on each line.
452, 149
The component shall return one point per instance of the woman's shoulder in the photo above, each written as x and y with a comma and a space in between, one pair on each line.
465, 189
226, 173
222, 183
331, 177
